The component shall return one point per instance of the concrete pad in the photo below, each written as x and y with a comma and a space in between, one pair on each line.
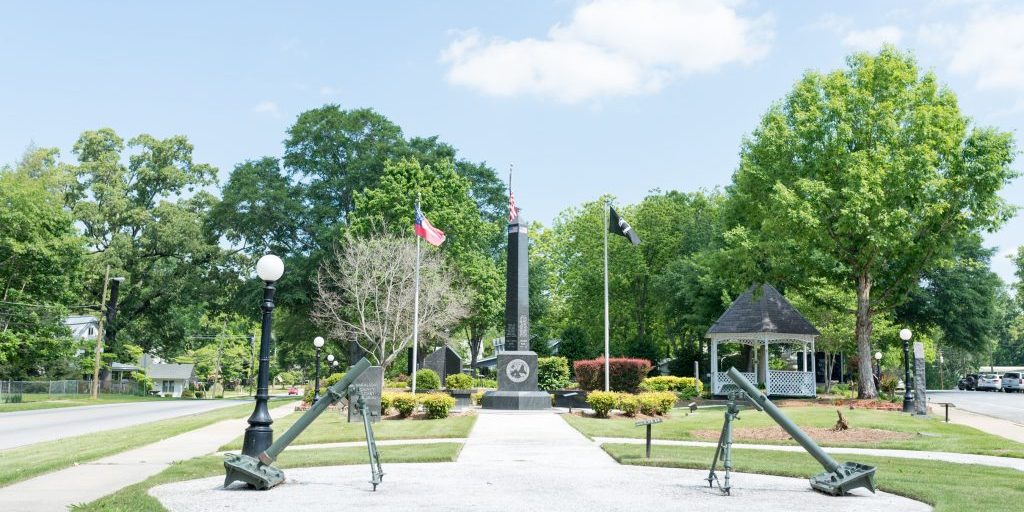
520, 462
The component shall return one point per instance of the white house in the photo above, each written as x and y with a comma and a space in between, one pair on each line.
171, 379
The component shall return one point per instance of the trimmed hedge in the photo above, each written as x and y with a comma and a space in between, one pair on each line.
436, 405
458, 381
656, 403
405, 403
333, 379
602, 402
485, 383
426, 380
478, 397
685, 387
624, 374
629, 405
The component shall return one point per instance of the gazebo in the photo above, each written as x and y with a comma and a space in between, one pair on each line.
761, 322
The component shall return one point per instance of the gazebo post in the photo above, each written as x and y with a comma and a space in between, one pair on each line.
767, 374
714, 366
814, 372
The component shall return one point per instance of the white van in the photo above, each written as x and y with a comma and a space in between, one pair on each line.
1012, 382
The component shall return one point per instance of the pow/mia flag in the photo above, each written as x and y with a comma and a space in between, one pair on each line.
619, 226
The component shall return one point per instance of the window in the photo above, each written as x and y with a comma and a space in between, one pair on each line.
168, 386
92, 331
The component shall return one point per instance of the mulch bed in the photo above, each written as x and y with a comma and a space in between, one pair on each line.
819, 434
851, 403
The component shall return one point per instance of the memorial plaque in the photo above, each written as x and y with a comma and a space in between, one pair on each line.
370, 385
444, 361
517, 371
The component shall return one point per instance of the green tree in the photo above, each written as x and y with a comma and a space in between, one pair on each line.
867, 176
40, 266
142, 209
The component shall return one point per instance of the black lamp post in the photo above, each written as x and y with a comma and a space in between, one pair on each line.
318, 342
259, 435
908, 399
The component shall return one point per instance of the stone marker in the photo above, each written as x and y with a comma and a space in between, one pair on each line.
370, 384
920, 401
444, 361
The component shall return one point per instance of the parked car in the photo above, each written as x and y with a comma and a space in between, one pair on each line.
1012, 382
989, 382
293, 391
968, 382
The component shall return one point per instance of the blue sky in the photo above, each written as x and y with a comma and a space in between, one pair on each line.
585, 98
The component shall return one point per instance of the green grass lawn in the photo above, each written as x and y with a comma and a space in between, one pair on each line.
35, 459
930, 433
33, 401
331, 427
943, 485
134, 498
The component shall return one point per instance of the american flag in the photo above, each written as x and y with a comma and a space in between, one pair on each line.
513, 212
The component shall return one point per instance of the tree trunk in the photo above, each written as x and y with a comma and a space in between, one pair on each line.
865, 380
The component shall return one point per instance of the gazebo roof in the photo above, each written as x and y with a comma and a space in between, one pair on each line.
770, 313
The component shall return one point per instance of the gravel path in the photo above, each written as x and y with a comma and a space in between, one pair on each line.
520, 462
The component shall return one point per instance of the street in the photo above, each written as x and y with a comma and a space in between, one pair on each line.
27, 427
1006, 406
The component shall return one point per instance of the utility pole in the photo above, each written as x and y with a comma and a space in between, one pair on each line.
99, 338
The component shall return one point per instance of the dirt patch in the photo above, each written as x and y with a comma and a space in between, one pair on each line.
819, 434
852, 403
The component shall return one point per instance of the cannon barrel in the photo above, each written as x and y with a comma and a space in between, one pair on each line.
828, 462
333, 395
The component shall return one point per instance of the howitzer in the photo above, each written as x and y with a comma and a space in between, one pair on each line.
258, 471
838, 479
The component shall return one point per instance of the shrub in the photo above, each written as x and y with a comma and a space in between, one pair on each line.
602, 402
657, 403
458, 381
333, 379
624, 374
400, 384
200, 394
436, 405
485, 383
552, 372
478, 397
685, 387
308, 395
387, 401
188, 393
427, 379
404, 403
629, 404
888, 384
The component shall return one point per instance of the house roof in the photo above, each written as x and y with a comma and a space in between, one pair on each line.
171, 371
768, 313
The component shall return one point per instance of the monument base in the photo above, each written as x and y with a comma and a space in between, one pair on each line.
517, 400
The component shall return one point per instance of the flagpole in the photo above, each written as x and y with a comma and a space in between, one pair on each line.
416, 314
606, 214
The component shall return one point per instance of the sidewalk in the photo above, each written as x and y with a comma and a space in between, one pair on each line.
521, 462
994, 426
93, 480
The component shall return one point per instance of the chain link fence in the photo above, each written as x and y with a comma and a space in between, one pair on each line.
15, 391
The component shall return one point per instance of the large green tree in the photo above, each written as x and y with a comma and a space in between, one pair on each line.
867, 176
142, 209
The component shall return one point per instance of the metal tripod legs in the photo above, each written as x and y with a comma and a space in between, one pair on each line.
724, 449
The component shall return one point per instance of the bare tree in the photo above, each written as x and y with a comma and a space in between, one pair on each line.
366, 289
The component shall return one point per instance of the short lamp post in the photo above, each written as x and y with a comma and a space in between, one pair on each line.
318, 342
908, 399
259, 435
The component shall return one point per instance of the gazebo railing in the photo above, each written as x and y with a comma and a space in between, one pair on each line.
790, 383
722, 384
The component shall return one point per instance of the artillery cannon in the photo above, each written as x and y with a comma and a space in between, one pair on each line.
258, 471
838, 479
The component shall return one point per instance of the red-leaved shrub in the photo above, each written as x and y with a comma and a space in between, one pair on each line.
624, 374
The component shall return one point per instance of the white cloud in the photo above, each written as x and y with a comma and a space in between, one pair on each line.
872, 39
267, 107
327, 90
991, 47
611, 48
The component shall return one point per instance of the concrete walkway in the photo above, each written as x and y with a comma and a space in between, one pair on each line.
989, 424
93, 480
956, 458
520, 462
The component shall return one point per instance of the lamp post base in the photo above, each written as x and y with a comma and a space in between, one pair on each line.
257, 439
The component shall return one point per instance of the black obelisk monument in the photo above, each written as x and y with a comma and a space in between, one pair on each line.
517, 365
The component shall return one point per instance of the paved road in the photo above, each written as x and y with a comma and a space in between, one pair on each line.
27, 427
1006, 406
